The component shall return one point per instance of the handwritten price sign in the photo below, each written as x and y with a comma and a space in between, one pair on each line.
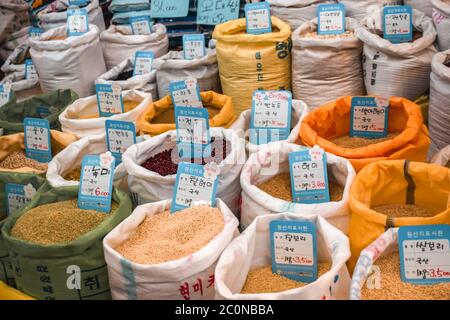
37, 139
369, 118
397, 23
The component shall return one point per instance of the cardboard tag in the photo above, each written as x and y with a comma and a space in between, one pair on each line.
18, 196
216, 12
109, 99
293, 247
257, 17
143, 62
271, 116
194, 46
96, 182
330, 19
30, 70
194, 183
141, 25
37, 139
5, 93
120, 135
169, 8
309, 176
35, 32
185, 94
397, 24
424, 253
77, 22
369, 117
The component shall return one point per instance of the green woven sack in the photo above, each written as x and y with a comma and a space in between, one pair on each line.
46, 106
51, 271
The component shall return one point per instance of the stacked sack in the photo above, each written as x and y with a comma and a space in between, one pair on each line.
441, 19
14, 23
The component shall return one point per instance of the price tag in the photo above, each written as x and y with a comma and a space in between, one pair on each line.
96, 182
369, 117
141, 25
424, 253
330, 19
37, 139
293, 247
309, 176
109, 99
217, 12
194, 182
193, 46
169, 8
271, 116
77, 22
143, 62
30, 70
78, 3
35, 32
257, 17
397, 24
18, 196
120, 135
185, 94
5, 93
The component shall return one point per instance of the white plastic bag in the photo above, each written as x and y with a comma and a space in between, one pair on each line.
72, 63
441, 19
72, 122
357, 9
273, 160
251, 250
119, 43
150, 186
316, 83
132, 281
442, 157
421, 5
173, 67
23, 88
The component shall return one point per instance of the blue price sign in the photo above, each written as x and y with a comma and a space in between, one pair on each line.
120, 135
77, 22
5, 93
141, 25
18, 196
330, 19
169, 8
257, 16
185, 94
397, 24
109, 99
217, 12
35, 32
30, 70
143, 62
194, 46
369, 117
37, 139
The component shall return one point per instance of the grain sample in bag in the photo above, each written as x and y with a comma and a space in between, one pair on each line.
155, 255
272, 163
441, 19
64, 241
249, 62
244, 268
358, 9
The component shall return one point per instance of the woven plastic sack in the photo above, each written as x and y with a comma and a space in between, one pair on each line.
14, 40
55, 15
333, 120
47, 105
441, 19
16, 60
121, 18
421, 5
173, 67
164, 281
357, 9
159, 117
442, 157
145, 82
248, 62
13, 17
401, 70
395, 182
251, 250
72, 62
129, 5
119, 43
32, 262
82, 118
22, 88
343, 74
9, 293
149, 186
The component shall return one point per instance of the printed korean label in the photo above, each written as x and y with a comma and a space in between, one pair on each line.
18, 196
143, 62
257, 16
77, 22
30, 70
330, 19
185, 94
141, 25
293, 247
96, 182
271, 116
5, 93
37, 139
109, 99
120, 135
309, 176
369, 117
424, 253
397, 24
169, 8
35, 32
193, 46
217, 12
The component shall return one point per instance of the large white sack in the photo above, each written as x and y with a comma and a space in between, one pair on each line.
441, 19
442, 157
173, 67
273, 160
150, 186
119, 43
357, 9
16, 60
145, 82
14, 16
403, 69
72, 123
421, 5
316, 83
23, 88
295, 12
251, 250
72, 63
55, 15
132, 281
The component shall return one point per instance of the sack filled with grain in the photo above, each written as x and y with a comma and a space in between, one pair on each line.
56, 248
81, 118
329, 127
358, 9
22, 88
154, 255
442, 157
244, 270
396, 193
377, 275
14, 15
152, 166
159, 116
441, 19
421, 5
310, 79
249, 62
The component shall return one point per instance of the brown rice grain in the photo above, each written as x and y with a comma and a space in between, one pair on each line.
73, 175
18, 159
346, 35
358, 142
403, 210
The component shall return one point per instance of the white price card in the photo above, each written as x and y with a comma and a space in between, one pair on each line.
257, 16
185, 94
369, 117
30, 70
109, 99
143, 61
216, 12
141, 25
194, 46
330, 19
18, 196
37, 139
5, 93
77, 22
120, 135
397, 24
35, 32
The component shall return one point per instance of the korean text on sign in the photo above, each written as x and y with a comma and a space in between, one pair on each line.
37, 139
141, 25
193, 46
330, 19
217, 12
369, 119
397, 23
185, 94
257, 17
77, 22
143, 62
30, 70
169, 8
18, 196
109, 99
120, 135
5, 93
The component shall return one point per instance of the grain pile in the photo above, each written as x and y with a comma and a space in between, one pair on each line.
346, 35
166, 237
168, 116
358, 142
393, 288
403, 210
127, 106
57, 223
18, 159
73, 175
262, 280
